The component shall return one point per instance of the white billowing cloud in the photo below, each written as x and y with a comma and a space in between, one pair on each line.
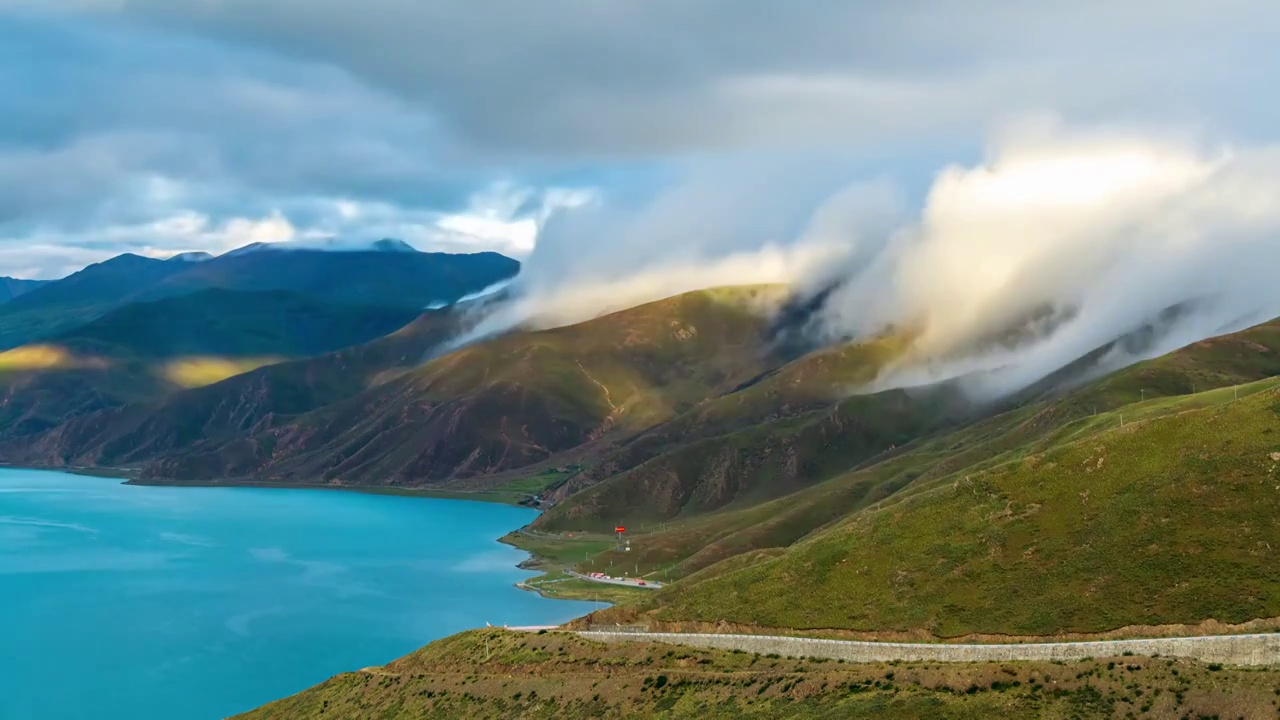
1104, 230
716, 226
499, 217
555, 305
503, 217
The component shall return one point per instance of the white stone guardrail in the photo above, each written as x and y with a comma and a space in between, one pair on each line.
1254, 649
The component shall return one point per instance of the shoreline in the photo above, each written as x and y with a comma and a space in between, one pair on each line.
130, 477
363, 489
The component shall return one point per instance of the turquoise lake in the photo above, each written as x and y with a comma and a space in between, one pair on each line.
174, 603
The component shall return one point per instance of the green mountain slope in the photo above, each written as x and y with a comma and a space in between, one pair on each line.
670, 476
236, 324
58, 306
11, 288
143, 352
378, 277
1002, 441
511, 402
378, 414
896, 439
387, 275
1165, 520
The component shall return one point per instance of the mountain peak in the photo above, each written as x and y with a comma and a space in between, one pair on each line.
328, 245
124, 260
392, 245
196, 256
251, 247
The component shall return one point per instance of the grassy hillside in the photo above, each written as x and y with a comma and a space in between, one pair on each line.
1169, 519
11, 288
508, 675
379, 415
679, 476
58, 306
708, 493
373, 277
147, 428
365, 278
223, 323
144, 352
511, 402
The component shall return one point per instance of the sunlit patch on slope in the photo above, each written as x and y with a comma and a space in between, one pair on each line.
193, 372
46, 357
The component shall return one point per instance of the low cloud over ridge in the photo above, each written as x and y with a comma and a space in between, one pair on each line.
1059, 242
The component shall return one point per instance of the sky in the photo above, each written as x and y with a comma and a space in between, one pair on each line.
623, 134
1014, 184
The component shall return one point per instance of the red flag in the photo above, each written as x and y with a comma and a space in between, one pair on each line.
620, 529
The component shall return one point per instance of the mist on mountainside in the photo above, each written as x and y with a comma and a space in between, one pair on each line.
1062, 244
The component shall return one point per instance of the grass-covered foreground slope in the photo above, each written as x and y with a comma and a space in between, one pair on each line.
1173, 518
556, 676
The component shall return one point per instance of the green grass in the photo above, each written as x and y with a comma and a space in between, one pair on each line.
559, 586
1168, 520
561, 550
555, 554
556, 676
520, 490
697, 538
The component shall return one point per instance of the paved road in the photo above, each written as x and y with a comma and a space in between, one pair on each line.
1255, 649
628, 582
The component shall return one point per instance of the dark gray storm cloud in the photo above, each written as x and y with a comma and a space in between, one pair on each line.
615, 76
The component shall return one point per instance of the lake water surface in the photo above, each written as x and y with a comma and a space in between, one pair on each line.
174, 603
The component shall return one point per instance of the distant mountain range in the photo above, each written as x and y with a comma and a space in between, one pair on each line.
388, 273
11, 288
